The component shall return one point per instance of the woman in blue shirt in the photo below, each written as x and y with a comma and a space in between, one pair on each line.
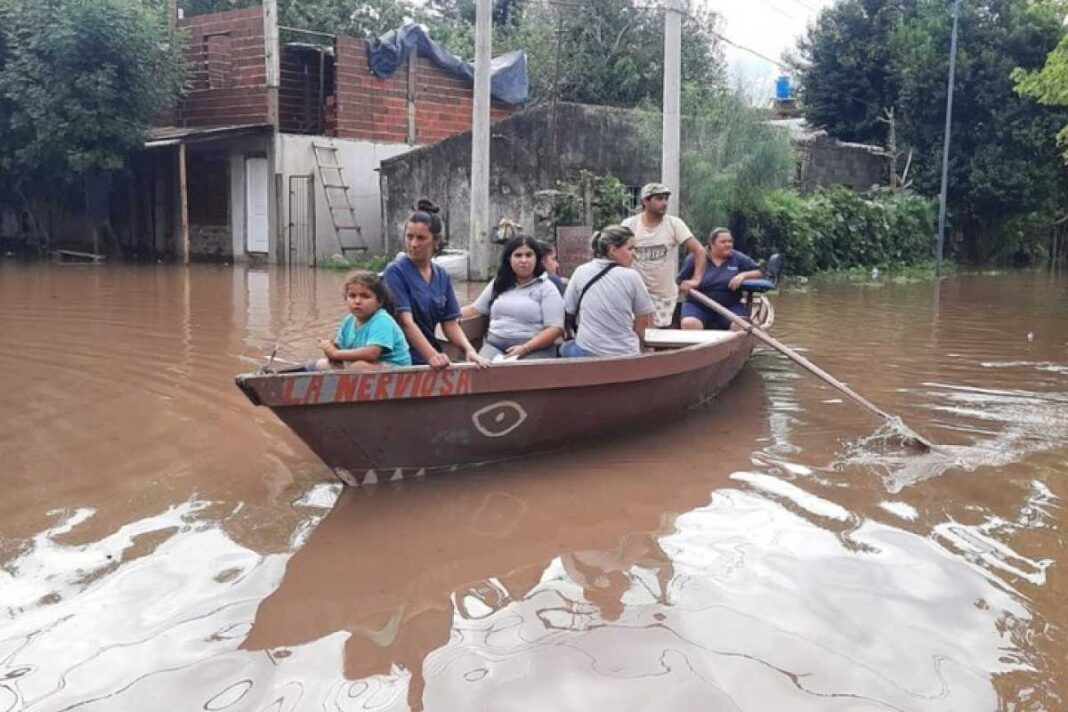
422, 293
724, 273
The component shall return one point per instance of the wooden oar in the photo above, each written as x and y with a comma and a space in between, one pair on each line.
908, 435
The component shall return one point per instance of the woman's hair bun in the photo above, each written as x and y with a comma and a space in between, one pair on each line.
427, 206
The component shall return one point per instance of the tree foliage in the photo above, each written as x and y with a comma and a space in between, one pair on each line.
1048, 85
609, 51
862, 56
731, 158
80, 81
845, 66
841, 228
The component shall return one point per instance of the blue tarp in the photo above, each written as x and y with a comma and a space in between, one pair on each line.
508, 77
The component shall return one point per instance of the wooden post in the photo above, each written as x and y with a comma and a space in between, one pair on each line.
412, 61
183, 204
271, 58
554, 161
587, 198
891, 143
479, 245
172, 14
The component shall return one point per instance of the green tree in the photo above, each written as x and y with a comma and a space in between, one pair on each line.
1004, 162
1049, 85
611, 51
844, 66
80, 82
363, 18
731, 159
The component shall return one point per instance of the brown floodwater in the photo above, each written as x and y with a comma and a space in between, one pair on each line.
166, 545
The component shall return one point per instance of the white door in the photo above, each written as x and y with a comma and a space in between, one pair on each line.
257, 238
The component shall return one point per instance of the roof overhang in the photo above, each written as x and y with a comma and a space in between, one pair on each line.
163, 136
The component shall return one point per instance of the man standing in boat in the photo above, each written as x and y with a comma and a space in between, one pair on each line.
658, 237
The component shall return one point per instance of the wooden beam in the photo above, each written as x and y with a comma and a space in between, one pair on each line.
183, 204
412, 57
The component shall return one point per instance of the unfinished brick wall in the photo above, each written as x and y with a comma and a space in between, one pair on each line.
376, 109
228, 71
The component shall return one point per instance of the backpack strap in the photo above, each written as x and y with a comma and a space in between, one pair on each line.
603, 272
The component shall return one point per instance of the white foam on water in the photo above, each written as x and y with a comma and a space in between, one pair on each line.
805, 500
900, 509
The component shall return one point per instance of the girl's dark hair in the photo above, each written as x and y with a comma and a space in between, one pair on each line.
505, 278
426, 212
373, 282
608, 238
716, 232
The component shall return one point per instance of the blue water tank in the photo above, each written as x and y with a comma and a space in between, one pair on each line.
782, 88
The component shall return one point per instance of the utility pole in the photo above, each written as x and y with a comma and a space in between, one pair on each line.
945, 143
669, 166
479, 245
554, 162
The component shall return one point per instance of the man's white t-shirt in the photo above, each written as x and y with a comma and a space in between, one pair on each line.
658, 253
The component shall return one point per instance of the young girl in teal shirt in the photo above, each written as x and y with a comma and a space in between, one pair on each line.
368, 337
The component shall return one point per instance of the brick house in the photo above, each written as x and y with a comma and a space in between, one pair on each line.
268, 111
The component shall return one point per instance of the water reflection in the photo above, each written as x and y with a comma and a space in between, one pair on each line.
396, 565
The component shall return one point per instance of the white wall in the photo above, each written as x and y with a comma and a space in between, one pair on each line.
360, 161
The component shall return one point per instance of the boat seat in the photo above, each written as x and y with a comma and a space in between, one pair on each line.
758, 285
678, 338
773, 273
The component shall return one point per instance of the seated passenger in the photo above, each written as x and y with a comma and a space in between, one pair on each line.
725, 270
552, 266
422, 292
525, 310
367, 337
606, 300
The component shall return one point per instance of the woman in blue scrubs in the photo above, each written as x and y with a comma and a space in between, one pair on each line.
423, 296
727, 268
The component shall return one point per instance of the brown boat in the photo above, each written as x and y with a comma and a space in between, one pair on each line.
386, 425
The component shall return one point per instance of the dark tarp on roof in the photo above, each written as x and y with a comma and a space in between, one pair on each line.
508, 73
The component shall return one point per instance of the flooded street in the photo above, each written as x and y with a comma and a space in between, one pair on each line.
161, 539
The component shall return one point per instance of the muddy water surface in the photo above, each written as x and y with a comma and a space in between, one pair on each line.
163, 540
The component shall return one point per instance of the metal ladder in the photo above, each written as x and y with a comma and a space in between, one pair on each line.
336, 191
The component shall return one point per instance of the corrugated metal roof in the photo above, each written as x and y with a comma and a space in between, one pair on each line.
173, 135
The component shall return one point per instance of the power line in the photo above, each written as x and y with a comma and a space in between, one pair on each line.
779, 10
804, 5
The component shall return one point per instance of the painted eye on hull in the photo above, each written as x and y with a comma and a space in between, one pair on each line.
498, 419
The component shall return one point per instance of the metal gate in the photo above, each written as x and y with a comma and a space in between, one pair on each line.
302, 220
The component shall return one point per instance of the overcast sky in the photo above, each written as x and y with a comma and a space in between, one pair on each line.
766, 26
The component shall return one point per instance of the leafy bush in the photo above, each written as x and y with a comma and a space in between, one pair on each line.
566, 204
840, 228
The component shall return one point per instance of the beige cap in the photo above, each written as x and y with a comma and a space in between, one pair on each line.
651, 189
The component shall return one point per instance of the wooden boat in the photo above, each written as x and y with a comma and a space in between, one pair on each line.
386, 425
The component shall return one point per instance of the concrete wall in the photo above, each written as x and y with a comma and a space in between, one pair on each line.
523, 158
824, 162
360, 161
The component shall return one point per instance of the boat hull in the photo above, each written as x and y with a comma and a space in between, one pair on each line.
387, 425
